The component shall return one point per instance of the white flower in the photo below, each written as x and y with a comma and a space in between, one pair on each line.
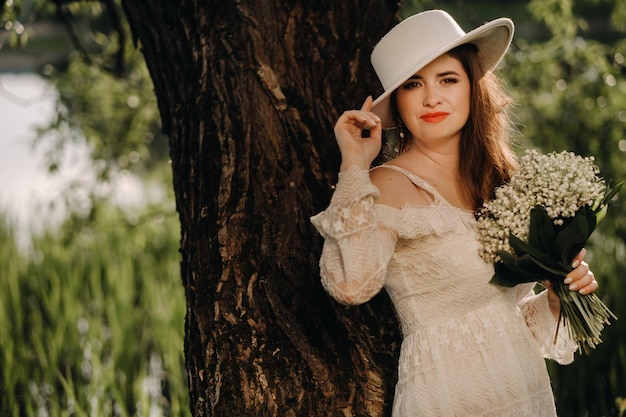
560, 182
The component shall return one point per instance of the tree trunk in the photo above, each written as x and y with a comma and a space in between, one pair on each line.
248, 93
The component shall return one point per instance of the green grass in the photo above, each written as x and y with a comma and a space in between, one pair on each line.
91, 320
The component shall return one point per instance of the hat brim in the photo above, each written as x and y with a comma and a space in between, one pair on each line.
492, 41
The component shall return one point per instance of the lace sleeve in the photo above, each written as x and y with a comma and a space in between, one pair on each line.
356, 248
543, 326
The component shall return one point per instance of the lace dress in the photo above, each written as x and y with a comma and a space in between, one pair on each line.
470, 348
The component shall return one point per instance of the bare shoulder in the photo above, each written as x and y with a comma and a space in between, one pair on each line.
387, 179
396, 189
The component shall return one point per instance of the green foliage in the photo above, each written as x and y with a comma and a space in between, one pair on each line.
91, 320
618, 16
570, 95
569, 92
10, 20
557, 15
117, 117
105, 93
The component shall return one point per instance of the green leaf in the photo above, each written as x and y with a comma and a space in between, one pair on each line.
601, 213
601, 208
506, 277
513, 270
541, 234
522, 248
526, 266
592, 219
611, 192
573, 237
519, 246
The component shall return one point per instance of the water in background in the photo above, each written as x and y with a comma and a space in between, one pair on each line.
29, 195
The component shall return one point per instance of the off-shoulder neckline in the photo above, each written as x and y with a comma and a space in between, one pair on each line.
439, 200
434, 205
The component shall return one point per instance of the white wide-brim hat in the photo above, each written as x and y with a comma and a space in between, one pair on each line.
420, 39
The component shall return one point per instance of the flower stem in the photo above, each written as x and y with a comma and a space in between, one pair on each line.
584, 316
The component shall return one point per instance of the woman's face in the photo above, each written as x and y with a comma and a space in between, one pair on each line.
434, 104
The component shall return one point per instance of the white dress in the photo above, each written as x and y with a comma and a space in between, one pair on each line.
470, 348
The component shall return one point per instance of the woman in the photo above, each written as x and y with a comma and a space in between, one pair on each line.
470, 348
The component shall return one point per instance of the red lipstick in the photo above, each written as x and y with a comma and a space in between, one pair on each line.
434, 117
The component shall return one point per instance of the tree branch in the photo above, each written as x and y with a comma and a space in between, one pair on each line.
115, 18
64, 17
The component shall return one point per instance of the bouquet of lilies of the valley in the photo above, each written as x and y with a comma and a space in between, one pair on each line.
538, 222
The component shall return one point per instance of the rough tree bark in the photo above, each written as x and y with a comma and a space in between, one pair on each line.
248, 93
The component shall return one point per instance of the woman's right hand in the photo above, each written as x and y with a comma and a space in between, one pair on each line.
354, 148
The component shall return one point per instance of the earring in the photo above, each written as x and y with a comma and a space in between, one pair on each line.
400, 129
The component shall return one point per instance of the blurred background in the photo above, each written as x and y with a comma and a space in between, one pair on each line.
91, 304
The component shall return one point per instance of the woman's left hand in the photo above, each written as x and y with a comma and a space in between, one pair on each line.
580, 279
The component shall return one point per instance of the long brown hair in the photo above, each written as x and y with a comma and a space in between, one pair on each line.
485, 145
